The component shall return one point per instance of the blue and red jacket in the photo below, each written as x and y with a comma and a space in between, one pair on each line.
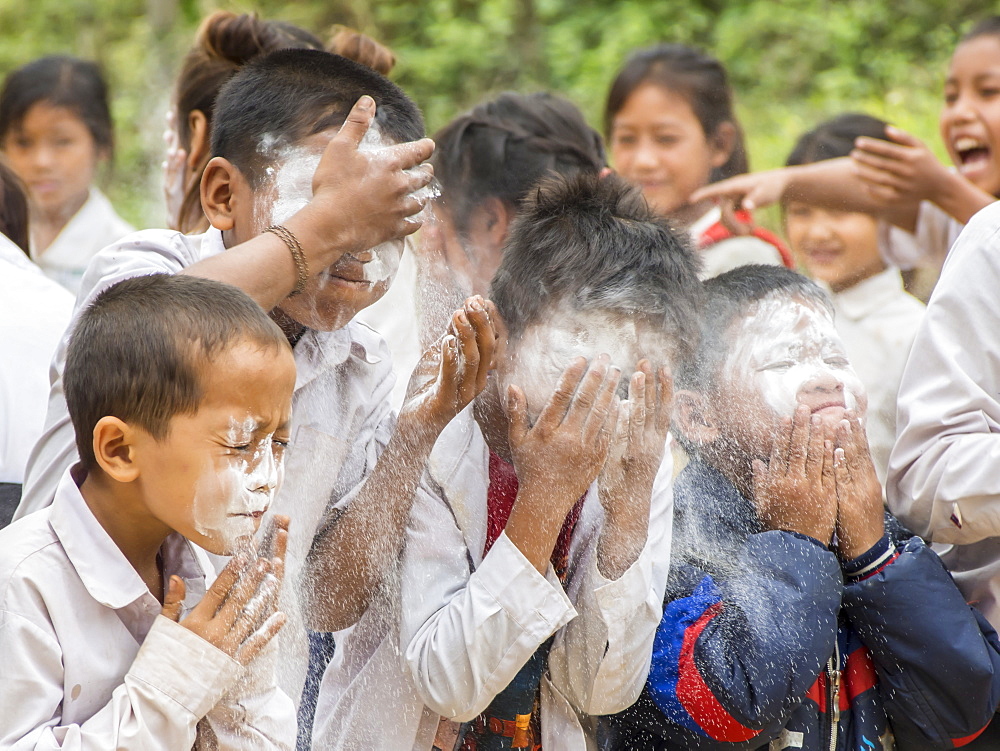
767, 641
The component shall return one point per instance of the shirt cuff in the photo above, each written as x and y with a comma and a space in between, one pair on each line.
869, 563
537, 603
184, 667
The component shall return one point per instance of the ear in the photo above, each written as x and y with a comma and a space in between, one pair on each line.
695, 417
114, 449
220, 185
495, 216
723, 143
200, 142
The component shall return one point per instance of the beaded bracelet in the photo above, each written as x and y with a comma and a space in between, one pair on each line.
298, 255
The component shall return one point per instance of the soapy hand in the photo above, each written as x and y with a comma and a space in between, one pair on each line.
860, 517
239, 612
362, 198
796, 489
453, 371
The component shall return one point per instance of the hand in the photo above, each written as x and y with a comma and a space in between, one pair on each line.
796, 490
362, 198
860, 517
559, 457
453, 371
749, 191
900, 171
239, 612
625, 484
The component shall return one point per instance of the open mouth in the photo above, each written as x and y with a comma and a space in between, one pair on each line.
972, 153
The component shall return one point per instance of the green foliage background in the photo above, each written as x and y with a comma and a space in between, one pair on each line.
792, 63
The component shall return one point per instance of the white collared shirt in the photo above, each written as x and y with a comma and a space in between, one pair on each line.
341, 416
944, 482
89, 663
877, 321
927, 246
34, 313
464, 623
94, 226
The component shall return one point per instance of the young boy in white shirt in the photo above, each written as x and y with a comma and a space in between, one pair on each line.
112, 632
309, 192
510, 540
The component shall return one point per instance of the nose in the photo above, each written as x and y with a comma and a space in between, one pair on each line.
819, 226
645, 156
962, 110
264, 475
823, 382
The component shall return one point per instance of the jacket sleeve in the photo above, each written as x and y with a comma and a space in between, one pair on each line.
176, 678
599, 661
465, 632
732, 659
937, 658
942, 481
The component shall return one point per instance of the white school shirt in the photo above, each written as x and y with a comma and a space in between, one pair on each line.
88, 662
944, 471
464, 624
341, 417
396, 319
732, 252
34, 313
877, 321
93, 227
925, 247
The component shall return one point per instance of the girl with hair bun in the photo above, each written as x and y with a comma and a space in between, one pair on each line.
671, 129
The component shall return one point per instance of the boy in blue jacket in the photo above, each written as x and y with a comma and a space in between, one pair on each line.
772, 635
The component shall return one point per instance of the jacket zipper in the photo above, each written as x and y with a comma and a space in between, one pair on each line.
833, 694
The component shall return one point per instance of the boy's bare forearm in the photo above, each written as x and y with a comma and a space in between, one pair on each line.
352, 557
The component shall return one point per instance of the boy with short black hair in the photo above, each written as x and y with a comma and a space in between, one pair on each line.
112, 633
758, 597
511, 542
308, 212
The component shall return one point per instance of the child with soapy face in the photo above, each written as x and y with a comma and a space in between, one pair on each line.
794, 638
180, 391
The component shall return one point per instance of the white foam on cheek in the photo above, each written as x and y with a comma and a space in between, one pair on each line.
292, 181
384, 263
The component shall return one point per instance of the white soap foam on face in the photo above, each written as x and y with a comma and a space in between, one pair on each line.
228, 495
546, 350
787, 348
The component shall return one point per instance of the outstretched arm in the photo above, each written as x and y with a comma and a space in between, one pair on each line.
354, 550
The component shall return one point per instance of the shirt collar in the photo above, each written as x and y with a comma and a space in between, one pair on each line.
318, 351
100, 564
697, 229
868, 295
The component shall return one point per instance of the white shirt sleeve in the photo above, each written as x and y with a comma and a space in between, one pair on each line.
175, 680
599, 661
943, 480
465, 633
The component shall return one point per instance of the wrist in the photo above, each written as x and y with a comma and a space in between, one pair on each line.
323, 242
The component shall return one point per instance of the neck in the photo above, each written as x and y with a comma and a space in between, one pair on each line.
46, 224
137, 533
492, 420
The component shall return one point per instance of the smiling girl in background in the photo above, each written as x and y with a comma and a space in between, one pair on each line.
672, 130
56, 130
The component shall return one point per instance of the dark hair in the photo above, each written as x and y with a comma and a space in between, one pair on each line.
224, 43
135, 351
291, 94
989, 26
13, 208
60, 81
361, 48
592, 243
834, 138
729, 297
698, 77
503, 147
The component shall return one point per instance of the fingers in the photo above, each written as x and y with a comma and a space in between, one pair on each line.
901, 136
641, 402
554, 411
798, 444
273, 543
840, 472
255, 643
665, 401
604, 409
588, 392
499, 334
218, 593
829, 475
359, 119
815, 453
406, 156
876, 148
173, 600
729, 220
517, 412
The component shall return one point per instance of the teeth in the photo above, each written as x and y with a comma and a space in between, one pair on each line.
966, 144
